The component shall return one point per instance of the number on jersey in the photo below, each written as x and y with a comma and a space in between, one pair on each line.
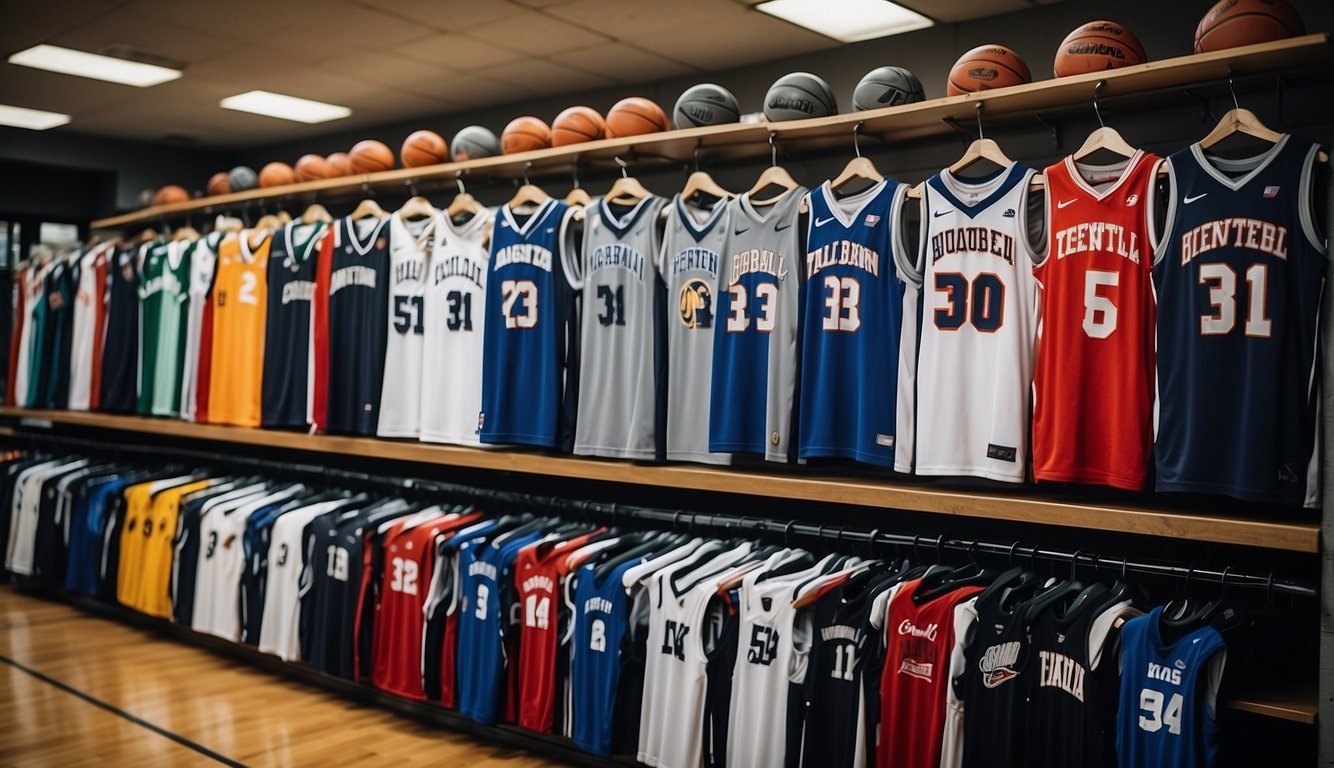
1222, 282
842, 298
337, 568
408, 315
597, 636
405, 576
982, 302
1153, 716
460, 311
613, 305
519, 303
483, 592
766, 300
537, 611
845, 658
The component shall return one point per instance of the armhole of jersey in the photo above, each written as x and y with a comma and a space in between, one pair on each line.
915, 270
1034, 256
571, 250
1159, 239
660, 258
1041, 258
1213, 677
898, 247
1306, 194
1151, 204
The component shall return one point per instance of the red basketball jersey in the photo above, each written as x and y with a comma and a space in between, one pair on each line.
1094, 379
913, 685
538, 574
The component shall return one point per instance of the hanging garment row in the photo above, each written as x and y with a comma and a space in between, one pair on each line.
679, 650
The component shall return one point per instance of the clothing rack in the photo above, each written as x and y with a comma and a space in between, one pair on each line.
726, 526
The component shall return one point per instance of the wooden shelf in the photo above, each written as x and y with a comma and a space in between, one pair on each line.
1298, 706
783, 483
1310, 54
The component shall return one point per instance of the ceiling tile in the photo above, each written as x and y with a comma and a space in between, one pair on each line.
530, 77
458, 52
27, 24
539, 35
624, 63
35, 89
337, 26
147, 34
710, 47
962, 10
238, 19
452, 16
632, 20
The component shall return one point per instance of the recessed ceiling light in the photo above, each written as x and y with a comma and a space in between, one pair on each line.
847, 21
285, 107
32, 119
70, 62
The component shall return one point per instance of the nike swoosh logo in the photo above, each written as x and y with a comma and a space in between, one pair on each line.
938, 214
822, 222
1190, 200
785, 226
741, 231
1067, 203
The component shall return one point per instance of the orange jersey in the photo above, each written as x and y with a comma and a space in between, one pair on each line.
239, 301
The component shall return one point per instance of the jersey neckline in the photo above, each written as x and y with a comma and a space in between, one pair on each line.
949, 185
849, 209
698, 230
1261, 161
1128, 168
528, 226
620, 225
362, 248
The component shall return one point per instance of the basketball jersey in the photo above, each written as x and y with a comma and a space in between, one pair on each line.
974, 366
1169, 695
35, 330
286, 379
835, 720
356, 290
1093, 380
198, 354
60, 286
120, 346
755, 336
529, 304
88, 318
240, 301
693, 244
279, 631
164, 297
1239, 274
411, 243
454, 315
621, 337
994, 682
851, 324
601, 624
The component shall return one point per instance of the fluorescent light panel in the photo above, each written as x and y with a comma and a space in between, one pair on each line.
32, 119
67, 61
285, 107
847, 21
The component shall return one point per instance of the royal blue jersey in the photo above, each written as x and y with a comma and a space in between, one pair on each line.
1238, 276
1168, 696
852, 312
86, 529
600, 625
528, 306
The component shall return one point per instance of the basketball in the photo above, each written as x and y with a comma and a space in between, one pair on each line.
312, 167
797, 96
1097, 46
987, 67
369, 156
339, 164
276, 174
887, 87
1234, 23
473, 142
172, 193
242, 177
525, 134
218, 184
577, 124
705, 104
635, 116
423, 148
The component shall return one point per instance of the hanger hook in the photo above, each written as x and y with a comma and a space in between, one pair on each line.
458, 179
1074, 563
366, 188
574, 172
699, 144
980, 134
526, 166
1097, 91
1232, 90
411, 184
856, 145
623, 165
773, 150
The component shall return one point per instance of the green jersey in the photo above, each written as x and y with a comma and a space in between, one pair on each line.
163, 300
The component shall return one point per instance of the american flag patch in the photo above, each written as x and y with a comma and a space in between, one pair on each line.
1271, 191
872, 219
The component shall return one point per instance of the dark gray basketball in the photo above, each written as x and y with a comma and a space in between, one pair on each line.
797, 96
887, 87
242, 177
473, 142
705, 104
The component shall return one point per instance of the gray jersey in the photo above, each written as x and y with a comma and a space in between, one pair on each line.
692, 247
620, 338
755, 338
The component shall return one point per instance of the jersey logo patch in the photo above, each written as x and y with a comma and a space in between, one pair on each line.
1009, 213
1134, 198
1001, 452
696, 304
822, 222
885, 440
785, 226
1190, 199
1067, 203
872, 219
1271, 192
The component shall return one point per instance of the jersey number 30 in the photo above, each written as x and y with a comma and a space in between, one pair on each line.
982, 302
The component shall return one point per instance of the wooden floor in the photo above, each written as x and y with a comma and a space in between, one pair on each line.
145, 700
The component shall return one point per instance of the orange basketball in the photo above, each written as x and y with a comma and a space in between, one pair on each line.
276, 174
987, 67
218, 184
1234, 23
312, 167
423, 148
172, 193
369, 156
577, 124
524, 134
635, 116
1096, 46
339, 164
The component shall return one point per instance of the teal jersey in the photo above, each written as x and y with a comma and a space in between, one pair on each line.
163, 302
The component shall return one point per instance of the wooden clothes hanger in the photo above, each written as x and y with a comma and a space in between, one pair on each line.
626, 190
367, 209
1241, 120
1104, 137
186, 232
316, 213
528, 194
463, 202
773, 176
577, 194
701, 183
263, 228
417, 207
858, 167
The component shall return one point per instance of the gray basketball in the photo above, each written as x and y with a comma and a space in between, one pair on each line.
473, 142
797, 96
887, 87
242, 177
705, 104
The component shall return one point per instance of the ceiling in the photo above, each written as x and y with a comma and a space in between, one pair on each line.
389, 60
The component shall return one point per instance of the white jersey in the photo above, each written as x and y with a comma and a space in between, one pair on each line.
212, 522
279, 632
203, 260
974, 369
88, 315
411, 242
23, 515
951, 739
451, 368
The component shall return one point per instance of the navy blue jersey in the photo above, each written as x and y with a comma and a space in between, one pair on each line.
529, 307
1239, 274
1168, 695
358, 325
851, 319
288, 368
60, 287
600, 627
120, 345
480, 658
